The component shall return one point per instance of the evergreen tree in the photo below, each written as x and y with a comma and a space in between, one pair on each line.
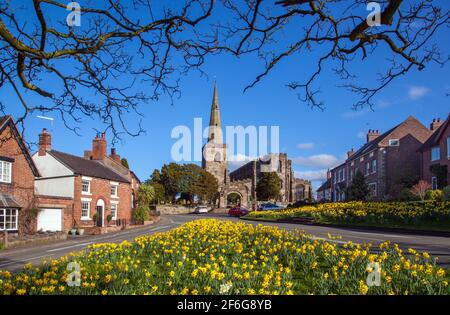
268, 186
358, 190
124, 162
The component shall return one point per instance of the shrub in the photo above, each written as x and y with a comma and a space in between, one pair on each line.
420, 189
141, 214
446, 191
407, 195
435, 195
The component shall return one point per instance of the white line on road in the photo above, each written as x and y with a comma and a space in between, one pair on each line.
66, 247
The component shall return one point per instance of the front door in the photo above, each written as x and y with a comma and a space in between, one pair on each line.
99, 215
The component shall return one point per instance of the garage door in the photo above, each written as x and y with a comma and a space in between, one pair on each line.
49, 220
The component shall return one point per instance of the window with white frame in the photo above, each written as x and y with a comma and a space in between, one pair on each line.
373, 189
367, 168
394, 142
86, 186
114, 211
5, 171
85, 209
434, 183
374, 166
114, 189
9, 219
435, 153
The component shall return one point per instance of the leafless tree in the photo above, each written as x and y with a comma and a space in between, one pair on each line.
338, 33
96, 69
79, 71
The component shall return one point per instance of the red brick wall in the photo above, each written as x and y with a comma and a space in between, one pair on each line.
426, 158
402, 161
101, 189
66, 204
22, 180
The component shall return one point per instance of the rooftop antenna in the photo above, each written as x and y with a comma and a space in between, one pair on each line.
47, 118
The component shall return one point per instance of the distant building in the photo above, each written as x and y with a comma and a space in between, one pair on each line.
383, 160
324, 191
243, 180
435, 155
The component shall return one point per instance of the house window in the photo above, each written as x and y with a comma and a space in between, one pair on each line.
367, 168
343, 175
86, 186
9, 219
5, 172
435, 153
434, 183
85, 209
394, 142
113, 190
373, 189
114, 211
361, 159
374, 166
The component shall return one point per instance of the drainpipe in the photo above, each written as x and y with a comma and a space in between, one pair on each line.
5, 238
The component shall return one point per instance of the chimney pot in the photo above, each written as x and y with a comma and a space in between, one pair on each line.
435, 124
45, 142
99, 147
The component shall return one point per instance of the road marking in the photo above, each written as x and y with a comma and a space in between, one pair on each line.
21, 263
67, 247
385, 235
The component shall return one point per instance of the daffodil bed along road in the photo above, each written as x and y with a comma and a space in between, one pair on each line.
434, 216
221, 257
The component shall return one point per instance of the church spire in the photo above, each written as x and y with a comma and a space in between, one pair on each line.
215, 127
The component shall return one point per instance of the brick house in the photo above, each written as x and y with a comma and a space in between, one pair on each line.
385, 160
435, 155
72, 190
17, 174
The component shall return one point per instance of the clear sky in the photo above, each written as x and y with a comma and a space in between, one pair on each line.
315, 140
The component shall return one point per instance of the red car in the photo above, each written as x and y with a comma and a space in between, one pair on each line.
237, 212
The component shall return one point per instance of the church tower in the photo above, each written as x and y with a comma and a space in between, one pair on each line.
214, 159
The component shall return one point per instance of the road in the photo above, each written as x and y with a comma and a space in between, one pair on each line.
14, 259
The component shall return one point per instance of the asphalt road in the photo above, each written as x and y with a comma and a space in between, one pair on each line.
14, 259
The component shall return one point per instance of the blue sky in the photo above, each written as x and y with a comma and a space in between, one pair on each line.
315, 140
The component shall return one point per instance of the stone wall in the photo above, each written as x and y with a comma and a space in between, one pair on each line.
173, 209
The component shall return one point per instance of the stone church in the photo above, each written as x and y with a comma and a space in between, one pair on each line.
242, 181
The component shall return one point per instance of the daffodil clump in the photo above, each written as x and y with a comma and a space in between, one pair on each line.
404, 213
221, 257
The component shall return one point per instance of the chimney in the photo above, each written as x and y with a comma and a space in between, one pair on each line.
114, 155
328, 174
435, 124
87, 154
45, 142
372, 135
99, 147
350, 153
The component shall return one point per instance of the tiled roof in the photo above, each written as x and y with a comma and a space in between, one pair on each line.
8, 201
8, 121
85, 167
434, 138
369, 146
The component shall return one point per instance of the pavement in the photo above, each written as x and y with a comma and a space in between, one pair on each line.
13, 259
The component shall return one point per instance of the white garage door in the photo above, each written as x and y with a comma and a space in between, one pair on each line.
49, 220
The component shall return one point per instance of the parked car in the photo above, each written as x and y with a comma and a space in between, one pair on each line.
269, 206
237, 212
201, 209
